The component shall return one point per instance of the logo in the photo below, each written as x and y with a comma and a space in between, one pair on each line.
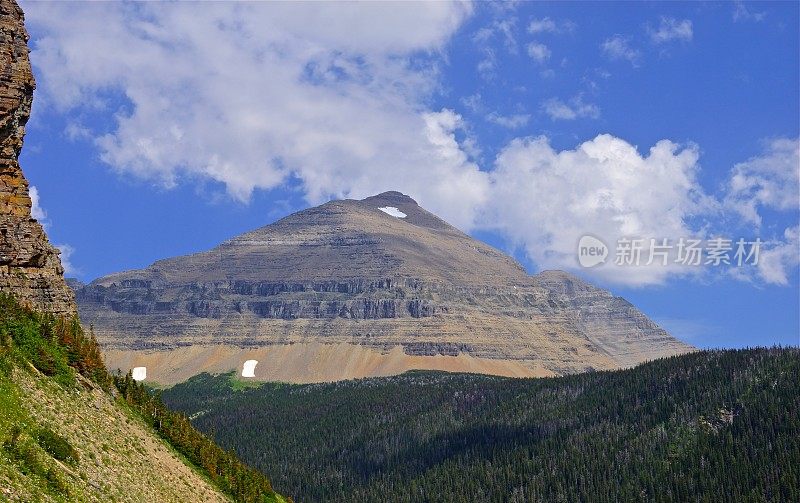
591, 251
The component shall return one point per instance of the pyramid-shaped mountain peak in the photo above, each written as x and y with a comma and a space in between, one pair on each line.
356, 288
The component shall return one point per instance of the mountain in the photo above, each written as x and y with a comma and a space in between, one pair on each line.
705, 426
29, 265
356, 288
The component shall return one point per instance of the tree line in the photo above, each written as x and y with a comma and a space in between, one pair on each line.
707, 426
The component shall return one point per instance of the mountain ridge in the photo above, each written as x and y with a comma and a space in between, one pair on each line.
356, 288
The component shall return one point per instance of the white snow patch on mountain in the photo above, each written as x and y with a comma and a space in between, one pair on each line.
249, 368
391, 210
139, 373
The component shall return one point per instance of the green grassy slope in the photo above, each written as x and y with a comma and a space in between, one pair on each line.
707, 426
71, 432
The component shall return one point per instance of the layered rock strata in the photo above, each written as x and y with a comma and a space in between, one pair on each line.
351, 289
30, 267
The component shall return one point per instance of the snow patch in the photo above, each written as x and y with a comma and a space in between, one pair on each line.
249, 368
391, 210
139, 373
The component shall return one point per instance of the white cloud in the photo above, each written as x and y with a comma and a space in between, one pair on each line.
66, 255
336, 96
770, 180
75, 131
506, 27
473, 102
509, 121
547, 25
486, 66
503, 28
671, 29
545, 200
37, 211
574, 109
544, 25
40, 214
539, 52
250, 94
780, 258
618, 47
742, 13
461, 185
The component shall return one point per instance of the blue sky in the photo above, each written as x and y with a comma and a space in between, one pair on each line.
159, 130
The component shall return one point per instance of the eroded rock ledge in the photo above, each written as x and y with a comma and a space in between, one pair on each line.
30, 267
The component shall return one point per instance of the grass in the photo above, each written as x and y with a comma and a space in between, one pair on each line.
68, 433
243, 384
25, 459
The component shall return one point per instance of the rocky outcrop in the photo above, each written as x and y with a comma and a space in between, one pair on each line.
357, 299
30, 267
346, 289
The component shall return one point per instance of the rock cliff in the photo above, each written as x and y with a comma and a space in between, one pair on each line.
30, 267
359, 288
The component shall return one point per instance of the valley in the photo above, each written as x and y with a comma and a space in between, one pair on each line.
706, 426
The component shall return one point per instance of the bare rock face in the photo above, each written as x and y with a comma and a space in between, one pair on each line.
30, 267
361, 288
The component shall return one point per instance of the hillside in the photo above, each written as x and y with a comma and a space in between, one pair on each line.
707, 426
71, 432
357, 288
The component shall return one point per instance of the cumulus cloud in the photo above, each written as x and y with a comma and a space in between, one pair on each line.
546, 200
769, 180
671, 29
779, 258
37, 211
574, 109
539, 52
336, 96
252, 94
619, 48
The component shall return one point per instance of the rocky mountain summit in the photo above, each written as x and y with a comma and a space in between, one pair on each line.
357, 288
30, 267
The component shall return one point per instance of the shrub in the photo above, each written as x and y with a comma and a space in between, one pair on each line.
57, 446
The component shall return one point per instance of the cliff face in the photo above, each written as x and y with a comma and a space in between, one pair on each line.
30, 267
361, 288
